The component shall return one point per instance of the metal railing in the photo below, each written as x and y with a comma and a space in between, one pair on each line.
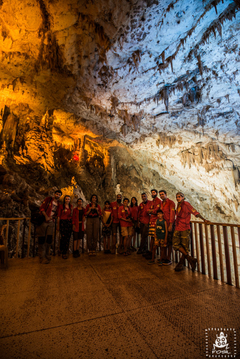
217, 257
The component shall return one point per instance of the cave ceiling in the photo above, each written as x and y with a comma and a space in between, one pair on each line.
157, 82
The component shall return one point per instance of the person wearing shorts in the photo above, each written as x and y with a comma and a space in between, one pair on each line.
160, 238
154, 206
124, 215
181, 235
168, 208
116, 223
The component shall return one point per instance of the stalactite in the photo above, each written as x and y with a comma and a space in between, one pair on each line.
200, 64
124, 130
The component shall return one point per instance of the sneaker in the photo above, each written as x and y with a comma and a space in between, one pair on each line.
160, 263
151, 262
167, 262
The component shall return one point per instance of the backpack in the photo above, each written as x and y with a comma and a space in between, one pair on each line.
37, 218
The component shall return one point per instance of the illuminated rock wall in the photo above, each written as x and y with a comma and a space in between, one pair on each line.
97, 96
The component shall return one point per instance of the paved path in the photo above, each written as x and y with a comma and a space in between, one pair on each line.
112, 307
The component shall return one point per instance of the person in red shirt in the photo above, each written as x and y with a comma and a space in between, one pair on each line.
181, 235
64, 225
78, 226
134, 217
154, 206
124, 215
116, 224
93, 212
143, 220
45, 231
168, 208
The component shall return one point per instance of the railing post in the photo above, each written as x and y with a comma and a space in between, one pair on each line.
202, 248
34, 240
18, 231
7, 231
23, 236
29, 237
227, 257
235, 257
197, 249
220, 253
192, 242
208, 252
100, 235
213, 252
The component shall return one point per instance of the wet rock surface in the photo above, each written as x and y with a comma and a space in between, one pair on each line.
129, 95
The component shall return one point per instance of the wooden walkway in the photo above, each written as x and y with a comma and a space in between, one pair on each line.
113, 307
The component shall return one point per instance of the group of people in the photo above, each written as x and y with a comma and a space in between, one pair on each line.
167, 226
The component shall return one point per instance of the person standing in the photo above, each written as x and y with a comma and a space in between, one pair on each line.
64, 225
45, 231
134, 217
92, 212
181, 235
116, 224
154, 206
107, 223
168, 208
78, 226
160, 237
124, 215
143, 220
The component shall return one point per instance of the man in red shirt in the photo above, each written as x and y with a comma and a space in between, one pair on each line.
116, 223
181, 236
45, 231
154, 206
124, 215
143, 220
168, 208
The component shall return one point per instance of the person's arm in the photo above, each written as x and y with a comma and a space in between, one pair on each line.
196, 214
172, 216
88, 210
44, 206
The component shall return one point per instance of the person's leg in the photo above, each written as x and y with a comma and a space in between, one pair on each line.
154, 248
177, 245
89, 234
108, 243
114, 238
104, 244
95, 233
185, 239
75, 240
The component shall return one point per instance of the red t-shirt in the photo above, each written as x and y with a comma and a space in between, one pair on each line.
168, 209
143, 215
134, 212
124, 214
65, 213
93, 214
155, 204
183, 216
115, 206
75, 219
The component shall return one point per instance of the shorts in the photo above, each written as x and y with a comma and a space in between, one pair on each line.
127, 231
152, 229
78, 235
159, 242
181, 239
115, 227
106, 231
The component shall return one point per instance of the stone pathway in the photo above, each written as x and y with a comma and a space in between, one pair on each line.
112, 307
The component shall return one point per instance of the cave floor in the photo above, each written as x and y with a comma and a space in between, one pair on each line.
112, 307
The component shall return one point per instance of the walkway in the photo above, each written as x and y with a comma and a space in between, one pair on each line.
112, 307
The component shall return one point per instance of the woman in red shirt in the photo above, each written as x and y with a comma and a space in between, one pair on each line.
92, 212
64, 224
78, 226
134, 217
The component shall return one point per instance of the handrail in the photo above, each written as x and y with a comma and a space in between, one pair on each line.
222, 260
213, 243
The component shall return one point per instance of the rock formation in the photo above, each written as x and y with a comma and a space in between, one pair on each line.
102, 96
